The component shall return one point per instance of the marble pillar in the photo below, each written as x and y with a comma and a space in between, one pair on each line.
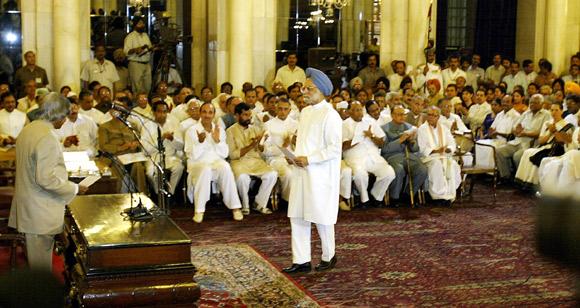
554, 48
67, 51
263, 46
217, 56
386, 37
400, 24
240, 44
28, 20
85, 30
417, 25
44, 39
199, 45
283, 21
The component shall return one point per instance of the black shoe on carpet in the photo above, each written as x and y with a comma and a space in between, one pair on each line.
298, 268
326, 265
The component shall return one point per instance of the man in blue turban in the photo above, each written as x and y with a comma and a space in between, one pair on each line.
315, 182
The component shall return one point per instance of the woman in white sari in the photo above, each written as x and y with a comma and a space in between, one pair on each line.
553, 137
560, 176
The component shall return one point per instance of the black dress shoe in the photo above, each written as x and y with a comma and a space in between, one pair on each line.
298, 268
326, 265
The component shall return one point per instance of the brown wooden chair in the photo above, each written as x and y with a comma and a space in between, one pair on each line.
9, 237
476, 169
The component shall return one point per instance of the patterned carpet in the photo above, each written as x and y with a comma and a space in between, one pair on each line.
236, 275
474, 254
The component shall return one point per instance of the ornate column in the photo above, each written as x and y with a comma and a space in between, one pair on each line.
44, 38
417, 34
85, 29
554, 34
263, 46
67, 54
386, 38
240, 49
199, 9
217, 55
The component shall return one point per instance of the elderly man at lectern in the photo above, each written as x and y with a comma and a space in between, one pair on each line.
315, 180
42, 187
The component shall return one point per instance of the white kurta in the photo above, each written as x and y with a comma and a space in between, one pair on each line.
315, 188
173, 150
503, 124
95, 114
364, 158
11, 123
449, 76
206, 162
86, 131
277, 131
443, 171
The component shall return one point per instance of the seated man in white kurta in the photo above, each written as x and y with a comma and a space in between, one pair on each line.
245, 158
498, 133
345, 170
12, 120
193, 113
560, 176
437, 145
279, 132
554, 133
172, 142
207, 150
79, 132
362, 139
526, 130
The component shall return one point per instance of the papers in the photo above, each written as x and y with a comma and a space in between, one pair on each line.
287, 153
130, 158
76, 156
78, 163
90, 180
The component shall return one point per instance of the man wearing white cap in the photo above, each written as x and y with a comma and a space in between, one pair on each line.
315, 181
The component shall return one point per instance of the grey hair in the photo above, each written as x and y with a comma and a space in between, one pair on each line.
537, 97
434, 108
54, 107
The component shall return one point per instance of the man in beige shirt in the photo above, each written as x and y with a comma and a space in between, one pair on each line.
244, 143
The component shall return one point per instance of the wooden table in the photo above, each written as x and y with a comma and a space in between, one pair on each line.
111, 261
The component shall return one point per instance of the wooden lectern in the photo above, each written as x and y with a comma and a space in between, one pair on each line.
111, 261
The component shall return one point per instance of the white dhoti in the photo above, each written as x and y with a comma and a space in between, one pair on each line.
173, 164
484, 155
444, 177
345, 180
284, 174
528, 172
199, 184
301, 232
376, 165
268, 181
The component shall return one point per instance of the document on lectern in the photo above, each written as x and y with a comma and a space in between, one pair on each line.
89, 180
131, 158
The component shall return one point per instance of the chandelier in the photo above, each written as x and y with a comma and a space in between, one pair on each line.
139, 3
329, 5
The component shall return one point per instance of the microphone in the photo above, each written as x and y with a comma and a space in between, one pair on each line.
122, 109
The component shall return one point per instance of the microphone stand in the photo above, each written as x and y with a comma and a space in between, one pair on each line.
163, 194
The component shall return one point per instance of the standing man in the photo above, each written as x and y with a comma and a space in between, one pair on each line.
290, 73
42, 187
494, 72
315, 182
451, 73
99, 69
29, 72
371, 72
138, 50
